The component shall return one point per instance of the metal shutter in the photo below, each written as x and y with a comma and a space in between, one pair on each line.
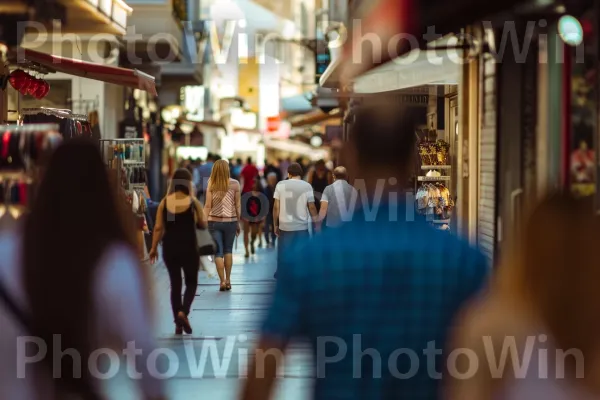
486, 223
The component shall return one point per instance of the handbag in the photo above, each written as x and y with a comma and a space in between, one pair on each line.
206, 243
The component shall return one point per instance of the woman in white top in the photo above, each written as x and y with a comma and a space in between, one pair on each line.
535, 334
223, 210
72, 272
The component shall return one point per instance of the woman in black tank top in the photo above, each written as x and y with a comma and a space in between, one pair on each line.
178, 215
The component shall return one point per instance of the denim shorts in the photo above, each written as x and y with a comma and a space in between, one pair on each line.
224, 235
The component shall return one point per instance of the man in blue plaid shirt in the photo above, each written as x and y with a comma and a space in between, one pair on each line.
376, 298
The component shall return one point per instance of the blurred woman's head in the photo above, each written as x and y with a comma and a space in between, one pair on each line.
219, 177
181, 182
74, 218
555, 274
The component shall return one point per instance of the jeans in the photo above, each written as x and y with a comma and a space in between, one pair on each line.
287, 240
224, 235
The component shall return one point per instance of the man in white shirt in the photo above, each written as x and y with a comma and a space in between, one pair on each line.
293, 211
338, 201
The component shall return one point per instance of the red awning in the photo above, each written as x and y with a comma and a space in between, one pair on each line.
115, 75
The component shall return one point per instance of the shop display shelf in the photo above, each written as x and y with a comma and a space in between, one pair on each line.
434, 167
433, 178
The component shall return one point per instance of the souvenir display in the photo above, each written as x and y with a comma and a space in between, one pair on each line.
126, 158
434, 153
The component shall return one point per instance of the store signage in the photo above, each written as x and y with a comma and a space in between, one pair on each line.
193, 102
273, 123
414, 99
130, 129
241, 119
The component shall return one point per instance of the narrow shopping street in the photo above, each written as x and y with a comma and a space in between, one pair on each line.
228, 322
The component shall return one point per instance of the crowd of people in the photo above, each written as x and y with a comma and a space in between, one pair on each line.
70, 269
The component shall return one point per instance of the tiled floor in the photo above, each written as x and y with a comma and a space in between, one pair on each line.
210, 364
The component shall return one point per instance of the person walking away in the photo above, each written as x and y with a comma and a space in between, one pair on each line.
269, 224
319, 178
376, 284
254, 213
270, 168
293, 212
223, 210
248, 175
69, 269
179, 214
338, 202
204, 171
538, 294
237, 170
283, 166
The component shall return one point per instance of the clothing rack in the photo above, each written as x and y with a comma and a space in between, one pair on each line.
23, 150
125, 157
56, 112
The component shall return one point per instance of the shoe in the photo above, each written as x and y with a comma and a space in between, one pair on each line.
247, 255
252, 248
223, 287
184, 322
228, 286
178, 329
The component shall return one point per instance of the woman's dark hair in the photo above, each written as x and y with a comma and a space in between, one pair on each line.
181, 181
74, 218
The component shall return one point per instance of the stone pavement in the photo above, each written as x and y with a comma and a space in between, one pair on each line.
210, 363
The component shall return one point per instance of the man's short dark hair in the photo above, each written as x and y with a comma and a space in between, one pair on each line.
295, 169
384, 134
249, 160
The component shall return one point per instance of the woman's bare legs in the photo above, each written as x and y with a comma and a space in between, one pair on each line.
219, 261
254, 234
228, 267
259, 230
247, 237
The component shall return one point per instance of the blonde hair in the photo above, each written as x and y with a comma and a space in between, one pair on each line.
219, 177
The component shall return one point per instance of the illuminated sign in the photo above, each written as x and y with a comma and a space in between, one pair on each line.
243, 119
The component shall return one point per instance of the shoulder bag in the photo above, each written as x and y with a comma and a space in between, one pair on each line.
205, 241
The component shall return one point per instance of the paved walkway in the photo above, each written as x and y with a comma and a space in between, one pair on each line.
211, 363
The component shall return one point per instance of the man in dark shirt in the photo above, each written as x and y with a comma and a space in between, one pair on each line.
271, 168
270, 235
376, 299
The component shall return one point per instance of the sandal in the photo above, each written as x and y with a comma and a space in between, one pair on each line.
228, 285
223, 287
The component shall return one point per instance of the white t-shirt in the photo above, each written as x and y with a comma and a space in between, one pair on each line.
294, 196
341, 199
121, 311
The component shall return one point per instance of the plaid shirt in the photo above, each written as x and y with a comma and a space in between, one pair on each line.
398, 285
